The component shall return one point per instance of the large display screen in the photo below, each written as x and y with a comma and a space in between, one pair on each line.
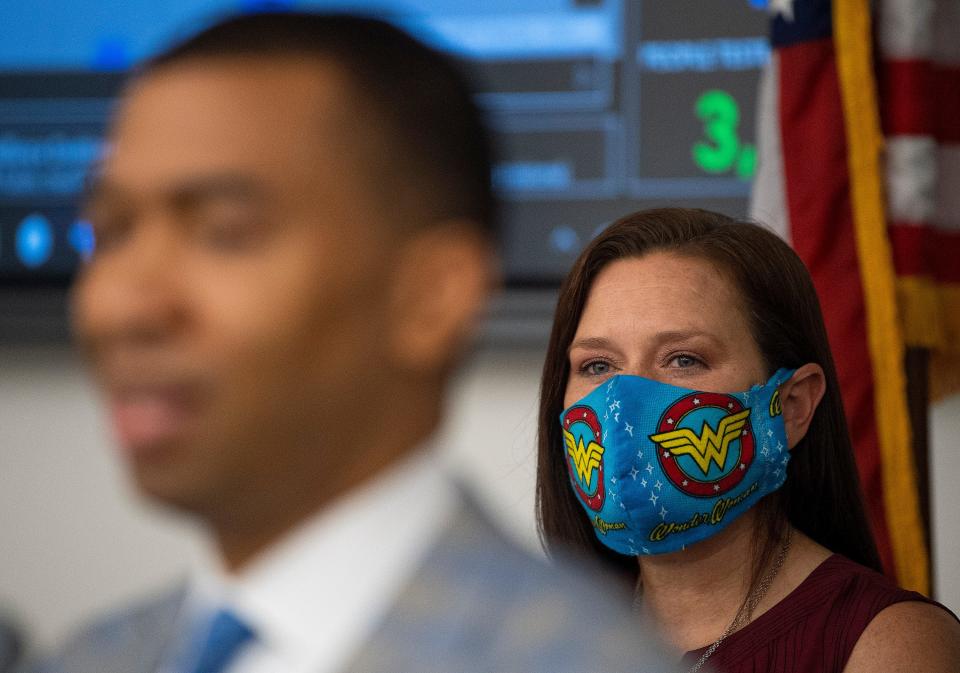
600, 108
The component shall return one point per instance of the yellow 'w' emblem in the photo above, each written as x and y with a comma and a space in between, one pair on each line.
709, 446
585, 459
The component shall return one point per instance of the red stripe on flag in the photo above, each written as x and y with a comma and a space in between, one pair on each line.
920, 250
822, 232
920, 98
906, 107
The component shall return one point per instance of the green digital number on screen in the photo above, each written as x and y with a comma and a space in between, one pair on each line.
722, 150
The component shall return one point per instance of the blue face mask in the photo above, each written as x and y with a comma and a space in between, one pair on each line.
658, 468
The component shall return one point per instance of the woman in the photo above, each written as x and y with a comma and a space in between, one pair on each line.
735, 559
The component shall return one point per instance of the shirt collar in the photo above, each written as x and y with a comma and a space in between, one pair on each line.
318, 591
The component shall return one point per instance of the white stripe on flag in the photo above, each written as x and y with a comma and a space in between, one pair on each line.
911, 168
768, 200
905, 29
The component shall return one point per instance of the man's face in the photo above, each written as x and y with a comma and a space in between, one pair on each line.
234, 309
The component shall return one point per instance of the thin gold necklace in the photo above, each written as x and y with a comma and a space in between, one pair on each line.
745, 613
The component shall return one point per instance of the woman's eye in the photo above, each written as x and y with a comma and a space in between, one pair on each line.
684, 361
597, 368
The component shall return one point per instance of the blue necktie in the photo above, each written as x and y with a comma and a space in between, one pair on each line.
225, 639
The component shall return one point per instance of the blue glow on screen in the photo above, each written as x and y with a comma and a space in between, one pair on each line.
565, 240
34, 240
81, 239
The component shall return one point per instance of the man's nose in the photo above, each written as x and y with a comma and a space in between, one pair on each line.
133, 291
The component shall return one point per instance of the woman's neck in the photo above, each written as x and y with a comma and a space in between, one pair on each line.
693, 595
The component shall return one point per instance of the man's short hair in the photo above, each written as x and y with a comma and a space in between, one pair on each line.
437, 144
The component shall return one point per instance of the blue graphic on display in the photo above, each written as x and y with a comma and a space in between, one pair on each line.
80, 237
112, 55
565, 240
713, 55
533, 175
759, 4
657, 468
34, 240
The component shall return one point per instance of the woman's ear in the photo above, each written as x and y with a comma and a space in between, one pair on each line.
799, 398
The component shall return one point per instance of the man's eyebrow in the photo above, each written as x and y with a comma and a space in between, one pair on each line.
216, 186
185, 192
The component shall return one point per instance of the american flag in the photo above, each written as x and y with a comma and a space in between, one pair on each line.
859, 144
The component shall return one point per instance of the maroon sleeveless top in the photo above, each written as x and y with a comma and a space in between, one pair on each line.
815, 627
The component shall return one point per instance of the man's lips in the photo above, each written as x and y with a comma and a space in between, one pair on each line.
146, 418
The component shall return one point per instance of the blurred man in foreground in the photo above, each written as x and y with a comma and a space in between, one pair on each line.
294, 243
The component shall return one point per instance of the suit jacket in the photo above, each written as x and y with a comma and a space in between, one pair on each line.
476, 604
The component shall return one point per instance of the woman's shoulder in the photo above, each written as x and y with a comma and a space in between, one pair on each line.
908, 636
840, 609
838, 589
883, 627
860, 594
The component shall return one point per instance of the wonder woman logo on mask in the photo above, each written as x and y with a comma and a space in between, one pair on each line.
582, 437
704, 443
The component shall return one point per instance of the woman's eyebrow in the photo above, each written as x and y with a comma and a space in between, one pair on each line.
659, 339
680, 335
591, 342
662, 339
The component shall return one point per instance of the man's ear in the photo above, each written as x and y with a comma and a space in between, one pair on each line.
799, 397
444, 276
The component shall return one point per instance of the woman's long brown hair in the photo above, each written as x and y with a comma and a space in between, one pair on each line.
821, 496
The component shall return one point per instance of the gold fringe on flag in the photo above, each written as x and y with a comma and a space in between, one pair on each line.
945, 361
920, 314
930, 317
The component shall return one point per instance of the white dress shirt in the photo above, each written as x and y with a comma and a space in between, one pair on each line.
313, 598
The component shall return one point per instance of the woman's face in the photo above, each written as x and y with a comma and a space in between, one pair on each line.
666, 317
